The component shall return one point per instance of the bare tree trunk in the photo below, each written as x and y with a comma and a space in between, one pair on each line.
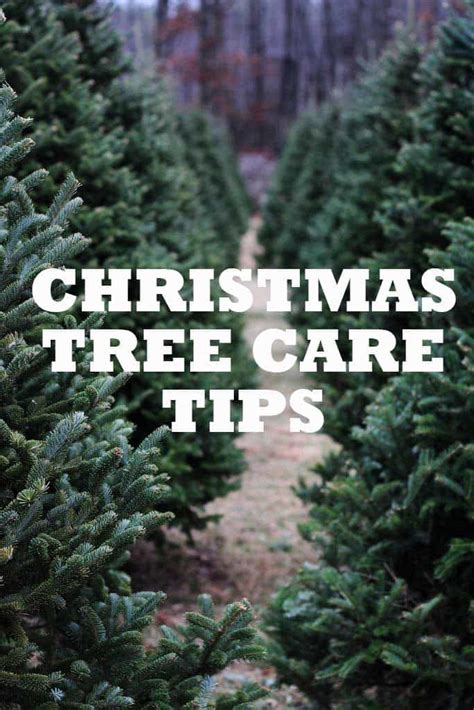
257, 63
429, 15
308, 53
289, 66
161, 15
358, 36
329, 48
211, 36
133, 23
381, 12
411, 14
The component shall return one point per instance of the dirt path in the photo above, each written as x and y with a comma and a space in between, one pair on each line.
258, 532
255, 547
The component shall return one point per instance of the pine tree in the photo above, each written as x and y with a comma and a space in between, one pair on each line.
102, 58
434, 168
74, 496
281, 193
122, 141
205, 466
432, 173
385, 618
312, 187
220, 192
383, 202
71, 129
374, 124
340, 221
187, 222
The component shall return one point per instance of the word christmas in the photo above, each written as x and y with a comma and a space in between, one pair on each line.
159, 289
163, 287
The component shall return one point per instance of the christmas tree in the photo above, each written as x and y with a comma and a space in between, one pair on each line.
179, 236
382, 620
311, 188
220, 192
430, 185
42, 62
332, 218
280, 195
75, 495
147, 205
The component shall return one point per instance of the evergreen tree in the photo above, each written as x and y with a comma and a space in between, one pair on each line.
207, 465
101, 52
430, 186
74, 496
338, 226
312, 187
287, 171
383, 620
374, 124
43, 64
122, 141
383, 202
435, 168
220, 192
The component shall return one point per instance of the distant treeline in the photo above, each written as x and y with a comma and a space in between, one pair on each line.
260, 63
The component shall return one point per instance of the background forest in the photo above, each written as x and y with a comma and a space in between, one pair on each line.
145, 133
260, 63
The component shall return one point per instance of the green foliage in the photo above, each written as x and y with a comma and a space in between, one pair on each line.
385, 618
374, 124
71, 129
422, 198
153, 201
388, 607
435, 166
221, 192
312, 187
280, 196
74, 496
346, 164
332, 219
207, 465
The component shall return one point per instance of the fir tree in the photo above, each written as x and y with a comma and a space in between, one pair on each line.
430, 186
220, 192
338, 227
122, 141
312, 187
375, 123
74, 496
383, 202
434, 168
383, 619
102, 57
280, 196
42, 62
205, 466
